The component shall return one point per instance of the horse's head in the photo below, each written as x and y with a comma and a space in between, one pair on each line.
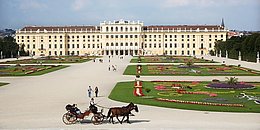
136, 108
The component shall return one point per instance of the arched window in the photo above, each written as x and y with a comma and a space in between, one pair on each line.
111, 29
135, 28
112, 44
107, 29
126, 29
131, 44
126, 44
136, 44
131, 29
121, 29
116, 29
107, 44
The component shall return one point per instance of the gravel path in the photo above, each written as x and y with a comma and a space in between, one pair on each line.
38, 102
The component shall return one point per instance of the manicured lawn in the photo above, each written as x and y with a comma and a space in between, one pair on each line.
29, 70
123, 91
199, 70
169, 59
53, 59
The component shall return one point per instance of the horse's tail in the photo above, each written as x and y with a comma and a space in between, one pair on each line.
108, 113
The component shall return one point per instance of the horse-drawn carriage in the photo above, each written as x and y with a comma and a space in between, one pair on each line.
74, 115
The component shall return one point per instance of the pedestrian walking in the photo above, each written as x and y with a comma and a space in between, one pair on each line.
89, 91
96, 91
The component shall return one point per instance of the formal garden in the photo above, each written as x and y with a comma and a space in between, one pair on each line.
169, 59
225, 96
191, 70
28, 70
53, 59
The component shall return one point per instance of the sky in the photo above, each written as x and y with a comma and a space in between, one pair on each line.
237, 14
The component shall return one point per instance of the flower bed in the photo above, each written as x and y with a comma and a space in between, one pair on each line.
199, 103
230, 86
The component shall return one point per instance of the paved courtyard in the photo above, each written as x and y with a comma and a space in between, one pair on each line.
39, 101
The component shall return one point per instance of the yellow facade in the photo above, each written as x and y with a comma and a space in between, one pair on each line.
121, 38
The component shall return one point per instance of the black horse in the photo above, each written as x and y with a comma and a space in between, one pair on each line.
121, 111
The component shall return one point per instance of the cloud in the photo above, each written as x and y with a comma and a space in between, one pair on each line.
31, 4
79, 4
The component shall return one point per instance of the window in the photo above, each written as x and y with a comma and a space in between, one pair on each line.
107, 29
126, 36
112, 44
209, 36
165, 45
136, 44
121, 36
107, 44
121, 44
154, 36
170, 45
49, 45
28, 46
201, 45
182, 36
175, 45
145, 45
60, 45
170, 52
160, 45
126, 29
131, 36
121, 29
182, 45
84, 46
126, 44
93, 45
68, 46
116, 44
201, 36
131, 29
209, 45
131, 44
182, 52
150, 45
111, 29
72, 36
88, 45
107, 36
49, 37
154, 45
77, 36
60, 36
135, 28
73, 46
188, 52
116, 36
136, 36
116, 29
175, 52
41, 40
83, 36
60, 53
77, 45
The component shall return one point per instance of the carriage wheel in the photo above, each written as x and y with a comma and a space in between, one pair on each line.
69, 118
97, 119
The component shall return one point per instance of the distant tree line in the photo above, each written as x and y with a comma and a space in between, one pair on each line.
247, 45
9, 48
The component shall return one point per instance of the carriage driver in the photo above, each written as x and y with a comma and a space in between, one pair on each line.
92, 106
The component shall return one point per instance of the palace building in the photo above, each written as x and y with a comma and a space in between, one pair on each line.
120, 38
